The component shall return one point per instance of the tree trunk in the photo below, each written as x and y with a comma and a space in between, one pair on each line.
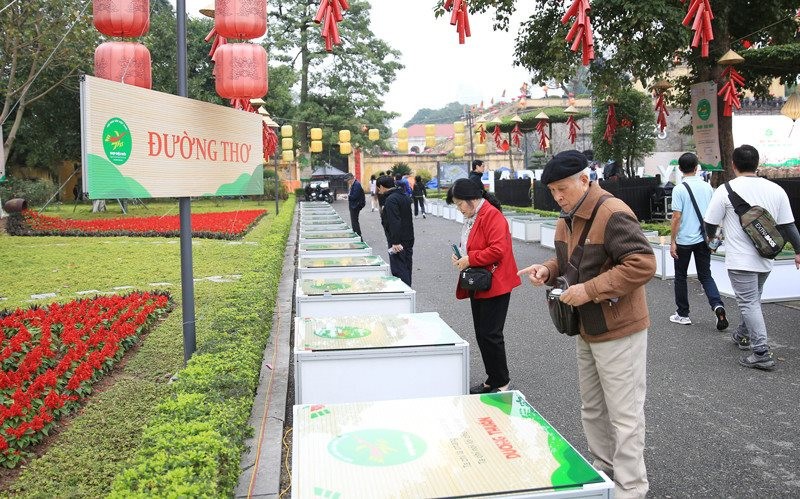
725, 123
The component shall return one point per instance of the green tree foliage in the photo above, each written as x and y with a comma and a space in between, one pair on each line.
45, 45
401, 169
453, 111
340, 90
639, 41
631, 142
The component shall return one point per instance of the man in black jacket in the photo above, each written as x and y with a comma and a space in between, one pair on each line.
476, 175
398, 227
356, 201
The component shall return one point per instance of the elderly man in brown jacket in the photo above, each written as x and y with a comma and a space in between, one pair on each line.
610, 296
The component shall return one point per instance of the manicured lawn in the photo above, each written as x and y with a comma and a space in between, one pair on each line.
101, 441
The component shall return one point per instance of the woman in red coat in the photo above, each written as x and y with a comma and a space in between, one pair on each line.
486, 242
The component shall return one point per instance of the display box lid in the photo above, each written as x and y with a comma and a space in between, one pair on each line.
350, 286
323, 228
469, 445
373, 331
333, 246
340, 261
340, 234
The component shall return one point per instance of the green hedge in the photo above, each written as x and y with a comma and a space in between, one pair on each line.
192, 448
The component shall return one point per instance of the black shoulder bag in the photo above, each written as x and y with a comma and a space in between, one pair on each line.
565, 317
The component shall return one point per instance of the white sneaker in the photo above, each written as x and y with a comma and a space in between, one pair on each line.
677, 319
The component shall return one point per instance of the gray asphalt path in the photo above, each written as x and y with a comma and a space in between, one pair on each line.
714, 429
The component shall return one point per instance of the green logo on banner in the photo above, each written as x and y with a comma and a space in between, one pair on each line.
704, 109
378, 447
117, 141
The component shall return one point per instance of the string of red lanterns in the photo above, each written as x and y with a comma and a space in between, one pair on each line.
703, 34
580, 34
516, 136
328, 15
611, 124
459, 18
729, 93
125, 62
573, 128
498, 139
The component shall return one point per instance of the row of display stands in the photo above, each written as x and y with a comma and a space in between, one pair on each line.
381, 392
541, 229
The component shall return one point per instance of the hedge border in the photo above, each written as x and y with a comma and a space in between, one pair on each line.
194, 444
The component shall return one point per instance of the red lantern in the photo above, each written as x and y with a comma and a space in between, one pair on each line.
128, 18
241, 70
242, 19
125, 62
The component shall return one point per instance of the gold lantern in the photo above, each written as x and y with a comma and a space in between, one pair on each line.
374, 134
458, 126
316, 146
287, 143
286, 131
458, 151
287, 155
344, 135
480, 149
430, 130
459, 139
316, 134
402, 145
345, 148
402, 133
430, 141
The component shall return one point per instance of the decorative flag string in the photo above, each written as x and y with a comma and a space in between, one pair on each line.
516, 136
580, 34
728, 92
611, 124
541, 129
661, 109
573, 128
328, 14
459, 17
497, 138
703, 34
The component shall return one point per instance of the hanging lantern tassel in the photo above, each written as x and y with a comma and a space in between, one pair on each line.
541, 129
328, 14
269, 139
573, 128
516, 136
497, 138
661, 109
243, 104
459, 18
611, 124
728, 92
218, 40
703, 34
580, 34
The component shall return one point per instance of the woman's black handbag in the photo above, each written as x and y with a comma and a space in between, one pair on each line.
565, 317
475, 279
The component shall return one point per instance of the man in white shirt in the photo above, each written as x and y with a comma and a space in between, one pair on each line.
690, 200
746, 268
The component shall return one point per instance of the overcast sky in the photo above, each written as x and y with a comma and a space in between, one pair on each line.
437, 69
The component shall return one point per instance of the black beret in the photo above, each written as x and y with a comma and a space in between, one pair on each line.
563, 165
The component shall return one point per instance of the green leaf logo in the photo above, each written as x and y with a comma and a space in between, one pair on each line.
377, 447
117, 141
704, 109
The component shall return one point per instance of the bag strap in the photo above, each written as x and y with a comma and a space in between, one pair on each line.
740, 206
577, 253
696, 210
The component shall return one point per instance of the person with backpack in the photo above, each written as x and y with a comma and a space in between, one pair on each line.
747, 268
689, 201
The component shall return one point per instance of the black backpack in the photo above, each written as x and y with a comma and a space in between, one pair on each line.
758, 224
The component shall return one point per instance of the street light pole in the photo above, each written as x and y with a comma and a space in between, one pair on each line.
469, 119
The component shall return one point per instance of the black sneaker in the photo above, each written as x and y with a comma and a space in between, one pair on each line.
722, 319
762, 361
743, 342
481, 388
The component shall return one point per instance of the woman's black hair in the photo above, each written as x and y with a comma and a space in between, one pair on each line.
466, 189
372, 177
418, 178
385, 181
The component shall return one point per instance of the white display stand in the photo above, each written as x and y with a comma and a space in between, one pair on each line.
339, 236
378, 357
323, 227
547, 231
341, 267
781, 285
337, 297
665, 264
324, 222
493, 445
335, 250
528, 228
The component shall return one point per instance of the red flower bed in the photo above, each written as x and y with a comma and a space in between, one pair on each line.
223, 225
51, 356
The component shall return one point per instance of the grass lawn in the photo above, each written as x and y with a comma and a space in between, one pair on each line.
84, 459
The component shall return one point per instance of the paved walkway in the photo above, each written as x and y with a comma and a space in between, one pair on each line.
714, 429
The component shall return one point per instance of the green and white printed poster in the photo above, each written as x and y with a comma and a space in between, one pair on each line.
705, 125
777, 139
464, 446
139, 143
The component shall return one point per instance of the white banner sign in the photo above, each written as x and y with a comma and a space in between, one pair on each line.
705, 125
138, 143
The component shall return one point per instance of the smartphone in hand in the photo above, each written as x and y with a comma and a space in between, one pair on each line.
455, 251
